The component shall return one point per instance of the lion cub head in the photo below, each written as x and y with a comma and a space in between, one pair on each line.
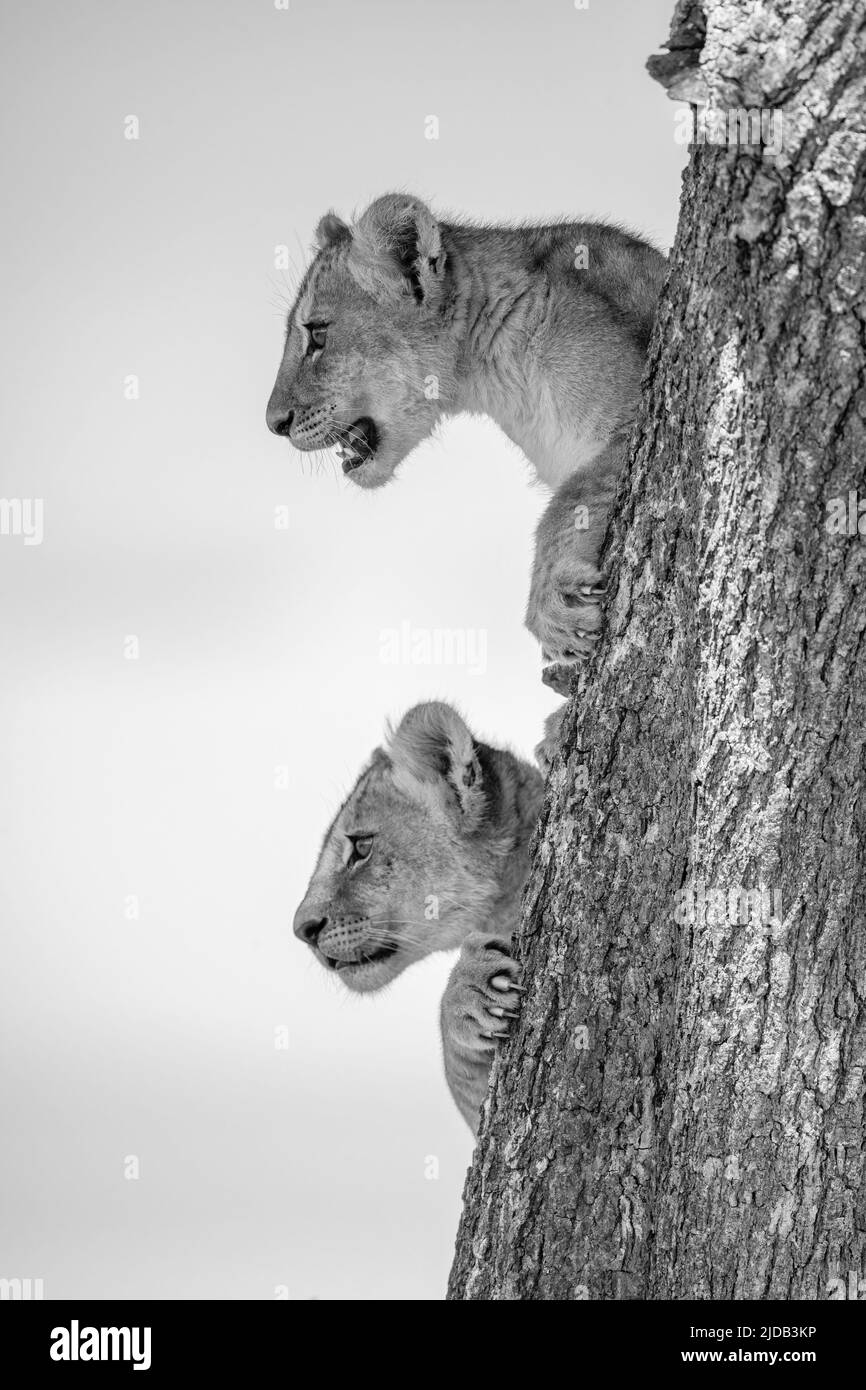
368, 358
432, 839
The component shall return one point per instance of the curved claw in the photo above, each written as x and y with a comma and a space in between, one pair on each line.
502, 983
502, 1034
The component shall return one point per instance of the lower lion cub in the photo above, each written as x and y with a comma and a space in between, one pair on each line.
430, 852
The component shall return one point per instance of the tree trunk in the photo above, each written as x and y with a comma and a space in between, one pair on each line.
680, 1113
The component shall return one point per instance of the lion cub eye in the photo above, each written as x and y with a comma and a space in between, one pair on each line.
362, 846
318, 337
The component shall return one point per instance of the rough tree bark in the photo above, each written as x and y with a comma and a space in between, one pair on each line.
681, 1110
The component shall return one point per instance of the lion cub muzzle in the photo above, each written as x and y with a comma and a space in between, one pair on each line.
342, 941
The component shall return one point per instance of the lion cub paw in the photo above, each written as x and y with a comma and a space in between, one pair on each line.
565, 613
483, 994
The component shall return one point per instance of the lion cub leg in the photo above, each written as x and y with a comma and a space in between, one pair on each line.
547, 749
481, 999
564, 609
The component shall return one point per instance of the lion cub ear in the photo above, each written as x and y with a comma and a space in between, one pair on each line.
331, 230
397, 250
434, 755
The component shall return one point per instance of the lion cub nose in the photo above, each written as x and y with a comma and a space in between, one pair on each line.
278, 419
307, 927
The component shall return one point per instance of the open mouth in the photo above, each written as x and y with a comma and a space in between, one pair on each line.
357, 444
366, 958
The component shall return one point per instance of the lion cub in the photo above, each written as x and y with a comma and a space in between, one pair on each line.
430, 852
403, 318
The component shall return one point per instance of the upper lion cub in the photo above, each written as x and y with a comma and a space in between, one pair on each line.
403, 318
